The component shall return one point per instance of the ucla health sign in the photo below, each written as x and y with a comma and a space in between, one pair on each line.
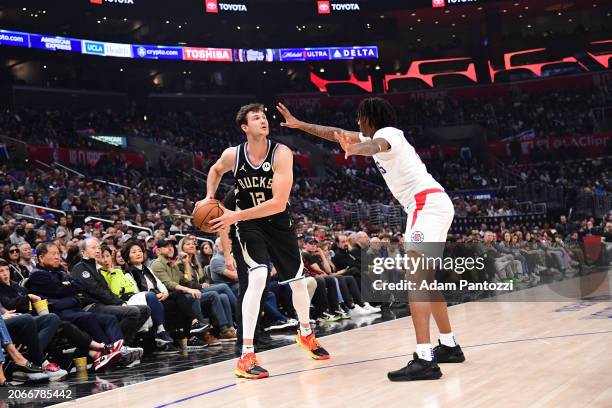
93, 47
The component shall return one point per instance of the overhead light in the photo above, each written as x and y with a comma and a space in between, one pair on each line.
454, 35
44, 67
463, 16
381, 16
520, 16
184, 72
516, 4
528, 25
418, 40
411, 28
265, 72
24, 9
436, 22
526, 7
453, 24
504, 11
413, 14
125, 19
121, 69
104, 18
44, 11
418, 20
167, 21
448, 11
559, 13
377, 67
570, 20
99, 22
257, 27
237, 27
319, 26
180, 26
322, 70
479, 8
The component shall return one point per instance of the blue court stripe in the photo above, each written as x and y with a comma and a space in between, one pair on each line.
196, 395
383, 358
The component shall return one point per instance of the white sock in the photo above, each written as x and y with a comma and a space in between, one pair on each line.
161, 328
448, 339
248, 349
301, 304
424, 351
305, 331
252, 299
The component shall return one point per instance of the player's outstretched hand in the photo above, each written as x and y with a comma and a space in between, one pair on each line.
345, 143
228, 218
290, 120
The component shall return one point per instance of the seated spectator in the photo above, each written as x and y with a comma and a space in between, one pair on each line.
19, 272
205, 255
87, 272
178, 309
35, 332
326, 285
125, 288
165, 269
505, 266
192, 271
222, 268
66, 299
345, 259
24, 370
25, 257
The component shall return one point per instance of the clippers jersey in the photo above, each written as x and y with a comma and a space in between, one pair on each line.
253, 184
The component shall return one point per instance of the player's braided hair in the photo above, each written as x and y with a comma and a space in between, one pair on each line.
378, 112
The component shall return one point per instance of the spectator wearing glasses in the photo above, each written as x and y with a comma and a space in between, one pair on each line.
18, 272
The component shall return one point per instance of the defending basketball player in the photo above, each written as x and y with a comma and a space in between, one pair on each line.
263, 170
430, 213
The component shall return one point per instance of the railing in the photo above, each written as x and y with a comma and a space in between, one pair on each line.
36, 206
128, 223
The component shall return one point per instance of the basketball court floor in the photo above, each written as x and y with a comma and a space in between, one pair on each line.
521, 351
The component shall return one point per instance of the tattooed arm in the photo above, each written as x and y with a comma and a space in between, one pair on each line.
324, 132
367, 148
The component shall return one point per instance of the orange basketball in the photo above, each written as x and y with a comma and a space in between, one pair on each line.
204, 212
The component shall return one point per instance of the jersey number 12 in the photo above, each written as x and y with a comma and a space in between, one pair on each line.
258, 198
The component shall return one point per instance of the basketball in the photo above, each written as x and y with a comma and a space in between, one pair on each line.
204, 212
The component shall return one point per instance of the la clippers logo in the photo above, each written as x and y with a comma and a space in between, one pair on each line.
212, 6
437, 3
417, 236
323, 7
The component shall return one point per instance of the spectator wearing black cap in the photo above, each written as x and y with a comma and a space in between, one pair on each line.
325, 283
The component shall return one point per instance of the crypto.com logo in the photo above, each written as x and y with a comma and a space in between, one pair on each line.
212, 6
323, 7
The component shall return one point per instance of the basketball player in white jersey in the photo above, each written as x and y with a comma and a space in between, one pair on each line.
430, 214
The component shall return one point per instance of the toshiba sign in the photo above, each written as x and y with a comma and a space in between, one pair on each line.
207, 54
326, 7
